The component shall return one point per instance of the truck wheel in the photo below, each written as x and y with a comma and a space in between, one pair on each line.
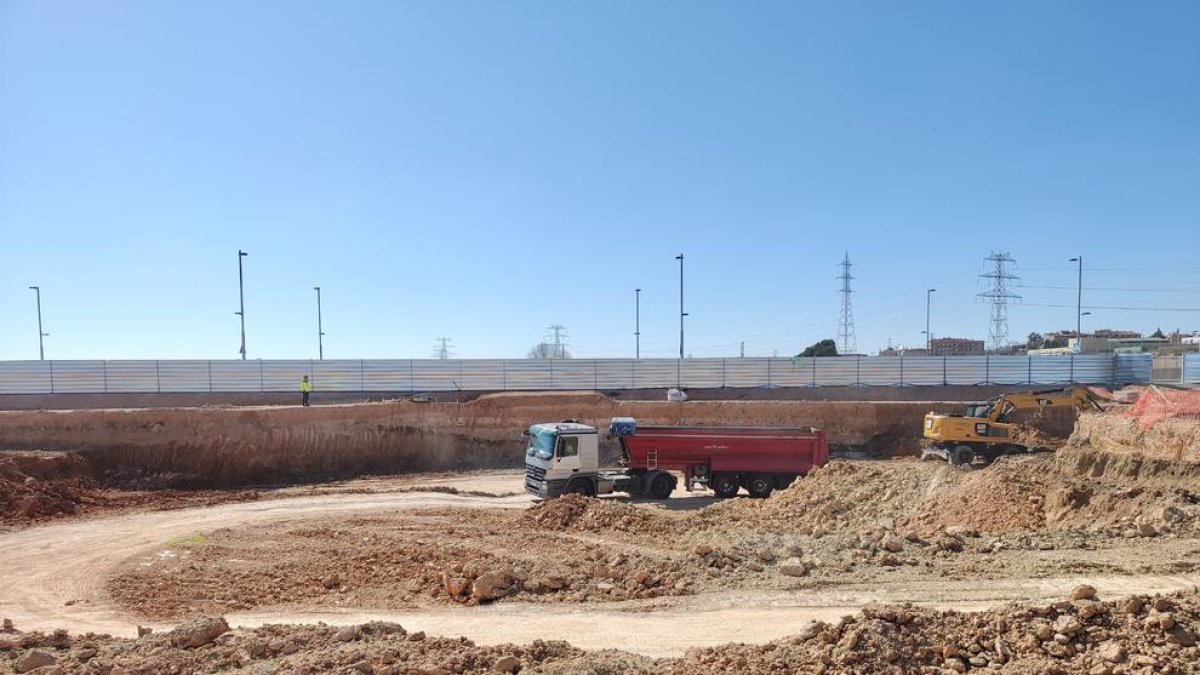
783, 481
580, 487
725, 485
962, 456
661, 486
760, 486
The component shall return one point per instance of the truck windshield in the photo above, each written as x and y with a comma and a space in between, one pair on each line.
541, 443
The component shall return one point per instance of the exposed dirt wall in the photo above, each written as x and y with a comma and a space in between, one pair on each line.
1169, 439
241, 446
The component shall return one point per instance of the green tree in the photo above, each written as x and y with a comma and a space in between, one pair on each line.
1158, 334
823, 348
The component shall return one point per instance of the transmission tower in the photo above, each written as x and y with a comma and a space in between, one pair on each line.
557, 339
441, 348
1002, 279
846, 325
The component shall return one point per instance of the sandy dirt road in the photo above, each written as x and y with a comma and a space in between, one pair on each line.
53, 577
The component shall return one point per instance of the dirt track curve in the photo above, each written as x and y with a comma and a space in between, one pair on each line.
53, 577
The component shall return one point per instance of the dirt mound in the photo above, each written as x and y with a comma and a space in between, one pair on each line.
581, 514
40, 485
1079, 635
840, 496
378, 647
1007, 496
1169, 438
1073, 489
1140, 634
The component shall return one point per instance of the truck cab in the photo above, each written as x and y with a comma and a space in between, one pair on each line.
562, 458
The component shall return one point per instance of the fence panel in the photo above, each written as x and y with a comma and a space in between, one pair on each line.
26, 377
882, 371
657, 373
925, 370
967, 370
131, 377
237, 375
530, 375
702, 373
1128, 368
79, 377
616, 373
743, 373
187, 377
387, 375
837, 371
1014, 370
1191, 368
437, 374
284, 375
335, 375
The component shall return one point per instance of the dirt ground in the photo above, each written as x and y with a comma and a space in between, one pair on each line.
862, 566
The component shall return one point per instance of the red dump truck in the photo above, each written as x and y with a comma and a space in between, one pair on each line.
564, 458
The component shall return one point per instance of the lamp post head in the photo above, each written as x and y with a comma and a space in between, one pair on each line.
1075, 260
242, 253
34, 288
1086, 314
317, 288
931, 290
679, 257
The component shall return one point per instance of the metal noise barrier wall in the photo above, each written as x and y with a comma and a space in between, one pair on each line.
1191, 369
408, 375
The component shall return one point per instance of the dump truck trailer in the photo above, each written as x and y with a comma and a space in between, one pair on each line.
564, 458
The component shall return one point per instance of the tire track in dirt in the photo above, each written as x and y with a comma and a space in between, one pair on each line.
45, 568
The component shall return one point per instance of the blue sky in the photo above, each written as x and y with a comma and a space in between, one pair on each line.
480, 170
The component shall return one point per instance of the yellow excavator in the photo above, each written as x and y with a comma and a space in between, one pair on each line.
981, 432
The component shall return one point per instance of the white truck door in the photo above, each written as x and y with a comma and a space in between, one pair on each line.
566, 455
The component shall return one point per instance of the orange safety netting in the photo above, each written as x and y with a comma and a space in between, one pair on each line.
1156, 405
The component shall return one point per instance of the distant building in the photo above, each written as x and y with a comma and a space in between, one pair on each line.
955, 347
901, 351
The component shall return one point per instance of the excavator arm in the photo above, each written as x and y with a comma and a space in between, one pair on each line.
1070, 397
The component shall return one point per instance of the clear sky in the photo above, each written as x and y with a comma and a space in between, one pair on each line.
480, 170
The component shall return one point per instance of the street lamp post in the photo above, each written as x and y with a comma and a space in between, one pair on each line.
41, 345
320, 331
637, 323
242, 302
928, 297
681, 312
1079, 302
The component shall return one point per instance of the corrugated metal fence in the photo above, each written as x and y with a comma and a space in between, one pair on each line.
1191, 368
405, 375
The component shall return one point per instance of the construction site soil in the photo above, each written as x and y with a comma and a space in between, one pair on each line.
56, 463
900, 540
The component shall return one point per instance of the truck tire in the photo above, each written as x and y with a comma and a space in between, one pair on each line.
661, 486
962, 456
760, 486
726, 485
580, 487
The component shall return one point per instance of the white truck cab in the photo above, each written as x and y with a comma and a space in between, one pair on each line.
563, 458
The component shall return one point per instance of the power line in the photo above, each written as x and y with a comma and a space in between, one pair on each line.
846, 323
1124, 309
1111, 288
999, 296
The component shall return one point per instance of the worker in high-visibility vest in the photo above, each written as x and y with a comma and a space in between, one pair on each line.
305, 390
